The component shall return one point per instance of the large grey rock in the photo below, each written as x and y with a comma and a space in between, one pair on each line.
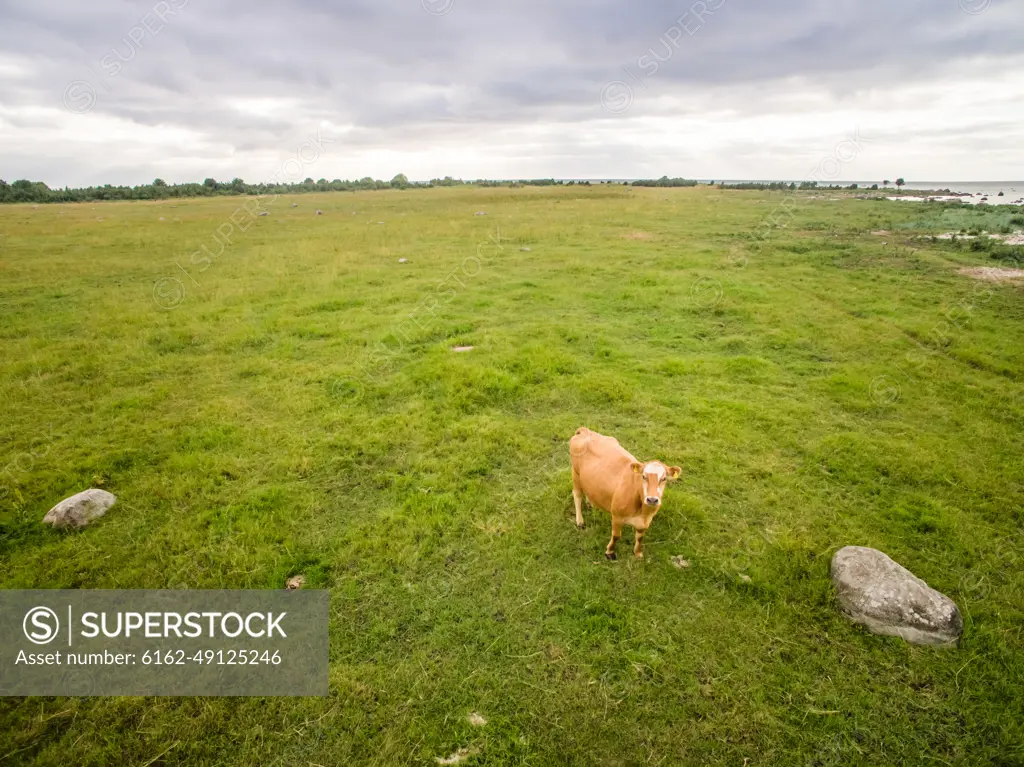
79, 510
889, 599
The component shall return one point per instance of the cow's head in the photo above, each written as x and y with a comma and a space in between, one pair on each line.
654, 475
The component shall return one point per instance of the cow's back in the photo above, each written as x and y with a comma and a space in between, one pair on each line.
601, 464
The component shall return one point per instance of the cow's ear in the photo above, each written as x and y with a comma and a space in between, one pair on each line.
637, 467
674, 472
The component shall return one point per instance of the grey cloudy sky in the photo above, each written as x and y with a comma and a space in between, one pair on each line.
111, 91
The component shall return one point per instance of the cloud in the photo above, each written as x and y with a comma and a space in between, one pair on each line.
181, 89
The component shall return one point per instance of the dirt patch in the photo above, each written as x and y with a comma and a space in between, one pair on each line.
295, 582
638, 235
1017, 238
993, 273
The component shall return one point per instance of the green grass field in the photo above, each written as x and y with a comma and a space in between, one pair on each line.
293, 406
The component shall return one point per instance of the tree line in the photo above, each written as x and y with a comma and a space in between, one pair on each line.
38, 192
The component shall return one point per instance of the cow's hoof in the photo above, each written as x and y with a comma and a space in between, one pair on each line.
639, 556
610, 556
580, 526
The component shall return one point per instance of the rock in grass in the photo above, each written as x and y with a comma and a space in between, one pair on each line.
888, 599
403, 260
319, 213
81, 509
264, 213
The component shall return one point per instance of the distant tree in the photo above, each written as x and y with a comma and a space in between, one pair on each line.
900, 182
446, 181
400, 181
210, 182
665, 181
886, 182
159, 182
24, 190
874, 186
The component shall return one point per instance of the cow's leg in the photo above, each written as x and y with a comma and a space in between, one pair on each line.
638, 548
609, 552
577, 499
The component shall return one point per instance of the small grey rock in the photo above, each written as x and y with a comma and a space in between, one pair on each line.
264, 213
403, 260
888, 599
81, 509
161, 218
525, 250
319, 213
480, 213
295, 205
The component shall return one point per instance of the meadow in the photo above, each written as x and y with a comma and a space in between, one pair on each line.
292, 406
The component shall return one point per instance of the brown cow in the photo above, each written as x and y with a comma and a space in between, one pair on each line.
615, 481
